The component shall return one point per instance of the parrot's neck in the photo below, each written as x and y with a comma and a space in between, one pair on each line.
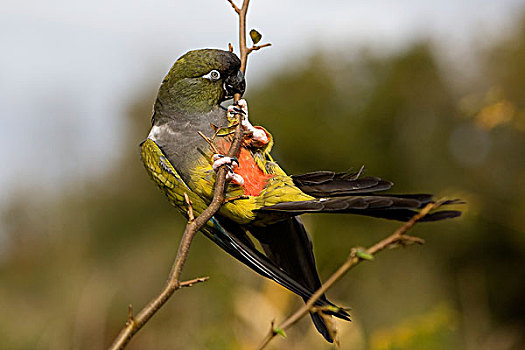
199, 116
185, 106
183, 97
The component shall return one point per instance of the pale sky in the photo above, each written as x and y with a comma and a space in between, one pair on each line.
69, 68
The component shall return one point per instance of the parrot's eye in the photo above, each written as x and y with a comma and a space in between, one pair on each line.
213, 75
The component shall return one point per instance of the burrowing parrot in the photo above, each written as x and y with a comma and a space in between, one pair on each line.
266, 202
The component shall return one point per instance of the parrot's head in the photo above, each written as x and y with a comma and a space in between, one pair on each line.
200, 80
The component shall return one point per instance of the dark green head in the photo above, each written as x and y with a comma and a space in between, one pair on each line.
199, 81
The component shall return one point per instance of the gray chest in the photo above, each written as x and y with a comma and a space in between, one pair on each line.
180, 141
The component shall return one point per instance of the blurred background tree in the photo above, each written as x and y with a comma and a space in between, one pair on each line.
78, 256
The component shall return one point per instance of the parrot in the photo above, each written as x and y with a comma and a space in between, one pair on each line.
260, 222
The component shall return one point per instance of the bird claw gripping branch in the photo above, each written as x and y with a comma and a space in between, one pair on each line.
255, 135
220, 159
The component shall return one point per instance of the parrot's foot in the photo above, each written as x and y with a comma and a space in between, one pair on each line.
220, 160
256, 134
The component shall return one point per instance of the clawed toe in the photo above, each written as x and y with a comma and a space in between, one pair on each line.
230, 162
233, 109
220, 160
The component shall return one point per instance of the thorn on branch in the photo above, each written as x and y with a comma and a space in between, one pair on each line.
130, 320
238, 10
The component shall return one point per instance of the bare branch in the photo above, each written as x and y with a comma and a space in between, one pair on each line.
242, 34
234, 6
134, 324
352, 261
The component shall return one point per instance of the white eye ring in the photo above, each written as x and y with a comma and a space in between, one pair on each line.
213, 75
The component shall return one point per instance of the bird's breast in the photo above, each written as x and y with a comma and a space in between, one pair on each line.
254, 177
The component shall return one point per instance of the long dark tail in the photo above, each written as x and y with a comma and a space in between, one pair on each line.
288, 245
393, 207
302, 281
348, 193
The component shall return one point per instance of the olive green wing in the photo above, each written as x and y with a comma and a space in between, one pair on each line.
167, 178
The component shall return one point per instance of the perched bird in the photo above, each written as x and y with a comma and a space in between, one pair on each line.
265, 202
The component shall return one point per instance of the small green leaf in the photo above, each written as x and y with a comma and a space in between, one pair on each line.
279, 331
364, 255
256, 36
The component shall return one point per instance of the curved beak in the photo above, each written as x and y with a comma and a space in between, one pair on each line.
234, 84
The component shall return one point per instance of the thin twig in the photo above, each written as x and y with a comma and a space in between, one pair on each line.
209, 141
234, 6
258, 47
134, 324
353, 260
242, 33
190, 283
130, 314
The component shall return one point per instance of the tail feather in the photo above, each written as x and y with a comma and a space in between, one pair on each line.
394, 207
330, 184
321, 326
405, 214
288, 245
226, 235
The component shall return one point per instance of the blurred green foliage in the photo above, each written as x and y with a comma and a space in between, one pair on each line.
76, 260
